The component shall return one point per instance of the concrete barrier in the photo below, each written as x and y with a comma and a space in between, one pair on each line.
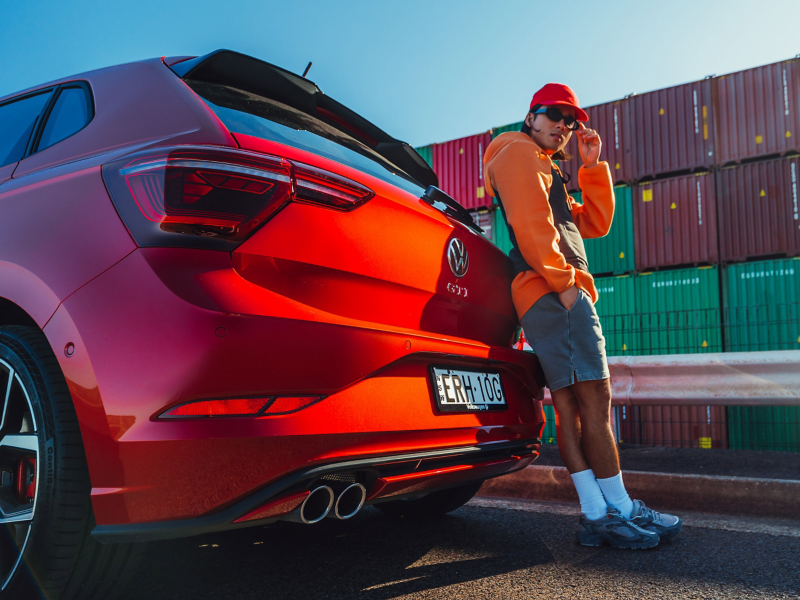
743, 496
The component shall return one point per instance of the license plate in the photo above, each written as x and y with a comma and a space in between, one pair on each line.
467, 391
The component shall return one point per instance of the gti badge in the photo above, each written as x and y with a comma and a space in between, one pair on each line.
457, 257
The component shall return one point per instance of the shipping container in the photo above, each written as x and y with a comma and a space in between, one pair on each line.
459, 165
549, 433
614, 252
485, 220
674, 426
758, 209
762, 305
616, 308
500, 235
774, 428
762, 312
505, 128
679, 311
758, 111
426, 152
675, 222
673, 129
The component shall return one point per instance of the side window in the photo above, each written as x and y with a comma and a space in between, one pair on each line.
70, 114
17, 120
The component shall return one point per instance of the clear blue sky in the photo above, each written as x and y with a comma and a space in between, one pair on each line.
424, 71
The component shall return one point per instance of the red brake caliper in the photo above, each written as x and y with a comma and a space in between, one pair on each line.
26, 479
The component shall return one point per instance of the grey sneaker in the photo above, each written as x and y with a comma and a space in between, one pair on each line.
616, 531
666, 526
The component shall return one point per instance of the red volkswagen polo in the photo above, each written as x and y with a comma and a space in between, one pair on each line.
227, 299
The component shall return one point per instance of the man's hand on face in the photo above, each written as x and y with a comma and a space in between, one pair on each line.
568, 297
589, 145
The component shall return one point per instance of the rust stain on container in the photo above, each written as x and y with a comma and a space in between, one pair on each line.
459, 165
673, 129
675, 222
758, 209
758, 111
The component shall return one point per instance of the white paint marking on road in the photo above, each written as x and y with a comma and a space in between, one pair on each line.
764, 525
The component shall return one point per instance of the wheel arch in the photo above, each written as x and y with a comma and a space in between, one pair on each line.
13, 314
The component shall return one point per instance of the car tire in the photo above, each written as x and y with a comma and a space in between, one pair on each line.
48, 552
435, 503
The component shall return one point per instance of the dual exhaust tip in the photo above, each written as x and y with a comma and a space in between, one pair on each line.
323, 502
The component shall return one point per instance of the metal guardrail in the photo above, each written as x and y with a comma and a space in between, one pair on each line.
721, 379
716, 379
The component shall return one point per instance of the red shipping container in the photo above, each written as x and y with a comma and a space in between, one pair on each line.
674, 426
612, 121
758, 209
758, 111
675, 222
459, 165
673, 129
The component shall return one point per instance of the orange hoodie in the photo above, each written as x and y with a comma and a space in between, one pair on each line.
519, 172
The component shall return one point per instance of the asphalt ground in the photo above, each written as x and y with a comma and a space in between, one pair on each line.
491, 548
696, 461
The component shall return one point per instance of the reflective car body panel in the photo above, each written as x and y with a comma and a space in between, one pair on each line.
351, 306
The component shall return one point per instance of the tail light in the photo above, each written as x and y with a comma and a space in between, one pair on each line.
215, 198
241, 407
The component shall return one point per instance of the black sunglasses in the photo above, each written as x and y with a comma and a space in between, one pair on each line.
555, 115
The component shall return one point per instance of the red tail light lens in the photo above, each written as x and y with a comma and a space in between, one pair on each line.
241, 407
215, 198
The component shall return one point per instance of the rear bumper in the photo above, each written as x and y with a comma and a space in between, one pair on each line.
473, 462
167, 326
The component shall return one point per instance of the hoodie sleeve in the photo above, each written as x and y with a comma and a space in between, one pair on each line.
521, 177
594, 217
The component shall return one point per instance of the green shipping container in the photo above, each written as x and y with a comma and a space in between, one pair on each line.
762, 305
549, 433
616, 308
500, 231
426, 152
614, 252
513, 127
679, 311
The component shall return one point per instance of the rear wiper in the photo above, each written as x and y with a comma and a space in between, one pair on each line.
441, 201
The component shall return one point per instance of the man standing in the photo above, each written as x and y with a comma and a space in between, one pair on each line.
554, 296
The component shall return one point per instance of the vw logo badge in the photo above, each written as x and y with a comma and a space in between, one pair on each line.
457, 257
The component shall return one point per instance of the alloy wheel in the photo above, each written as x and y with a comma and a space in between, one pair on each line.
19, 473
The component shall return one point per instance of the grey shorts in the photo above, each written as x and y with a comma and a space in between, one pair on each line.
569, 343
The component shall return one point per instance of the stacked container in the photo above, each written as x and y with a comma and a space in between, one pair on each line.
674, 426
616, 308
759, 212
676, 222
679, 311
459, 165
762, 301
673, 130
758, 111
614, 252
426, 152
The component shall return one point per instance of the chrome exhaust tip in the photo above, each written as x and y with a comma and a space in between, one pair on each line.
314, 508
350, 501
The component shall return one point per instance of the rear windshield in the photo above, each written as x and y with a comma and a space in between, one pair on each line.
251, 114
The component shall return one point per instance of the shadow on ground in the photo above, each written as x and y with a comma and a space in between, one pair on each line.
473, 553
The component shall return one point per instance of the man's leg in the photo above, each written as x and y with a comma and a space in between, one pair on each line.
597, 441
568, 432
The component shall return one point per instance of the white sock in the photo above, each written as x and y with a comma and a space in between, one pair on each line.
593, 505
616, 495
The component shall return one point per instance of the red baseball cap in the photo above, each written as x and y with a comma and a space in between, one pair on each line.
558, 94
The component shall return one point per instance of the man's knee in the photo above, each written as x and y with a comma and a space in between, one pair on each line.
594, 395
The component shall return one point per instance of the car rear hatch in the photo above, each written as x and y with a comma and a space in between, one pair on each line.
395, 258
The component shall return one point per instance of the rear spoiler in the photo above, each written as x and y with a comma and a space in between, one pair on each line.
233, 69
